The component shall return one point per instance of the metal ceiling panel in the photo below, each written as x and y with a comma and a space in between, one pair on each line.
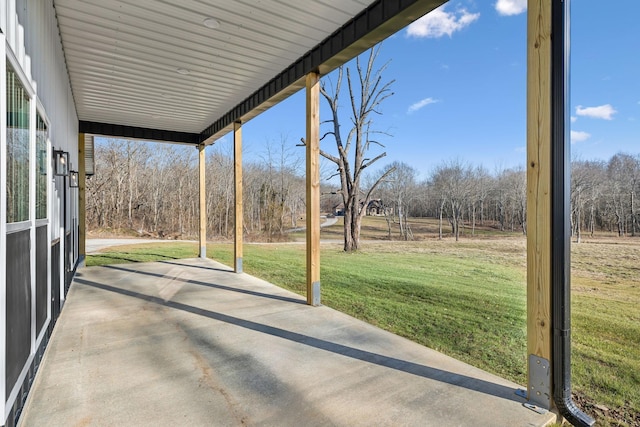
125, 56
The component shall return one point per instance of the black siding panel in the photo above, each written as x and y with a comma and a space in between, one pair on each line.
18, 405
68, 273
55, 283
42, 249
19, 296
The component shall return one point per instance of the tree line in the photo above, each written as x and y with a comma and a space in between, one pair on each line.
153, 189
603, 196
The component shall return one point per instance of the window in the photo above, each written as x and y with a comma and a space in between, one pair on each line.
42, 170
17, 149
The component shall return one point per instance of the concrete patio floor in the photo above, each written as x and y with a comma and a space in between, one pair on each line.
188, 342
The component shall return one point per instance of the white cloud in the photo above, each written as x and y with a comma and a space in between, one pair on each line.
440, 22
511, 7
604, 112
573, 119
420, 104
579, 136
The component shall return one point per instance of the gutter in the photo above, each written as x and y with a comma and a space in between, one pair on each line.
561, 209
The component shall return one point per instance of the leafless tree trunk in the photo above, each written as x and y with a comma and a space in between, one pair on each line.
366, 94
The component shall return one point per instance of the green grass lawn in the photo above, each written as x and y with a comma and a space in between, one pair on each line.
466, 299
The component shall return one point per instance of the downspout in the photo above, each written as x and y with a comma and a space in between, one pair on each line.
560, 226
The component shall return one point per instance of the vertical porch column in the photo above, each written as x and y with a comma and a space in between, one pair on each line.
238, 216
313, 188
548, 211
82, 201
203, 201
539, 336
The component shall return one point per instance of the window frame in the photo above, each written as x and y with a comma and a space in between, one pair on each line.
14, 64
47, 164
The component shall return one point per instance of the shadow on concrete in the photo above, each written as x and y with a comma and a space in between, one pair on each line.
458, 380
210, 285
202, 267
122, 256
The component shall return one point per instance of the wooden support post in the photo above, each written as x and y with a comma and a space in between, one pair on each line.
203, 201
539, 168
313, 188
238, 217
82, 201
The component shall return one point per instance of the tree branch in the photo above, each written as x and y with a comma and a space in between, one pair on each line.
372, 161
323, 153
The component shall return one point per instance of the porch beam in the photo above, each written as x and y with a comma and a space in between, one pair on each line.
203, 201
313, 187
82, 201
133, 132
238, 217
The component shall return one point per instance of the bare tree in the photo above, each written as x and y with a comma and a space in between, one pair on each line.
397, 192
438, 185
516, 181
282, 186
586, 180
482, 185
624, 174
366, 92
452, 180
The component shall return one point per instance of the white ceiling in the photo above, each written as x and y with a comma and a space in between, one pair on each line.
123, 56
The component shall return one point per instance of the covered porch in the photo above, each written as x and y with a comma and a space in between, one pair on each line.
140, 344
190, 342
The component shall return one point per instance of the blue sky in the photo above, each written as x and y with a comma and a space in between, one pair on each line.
460, 88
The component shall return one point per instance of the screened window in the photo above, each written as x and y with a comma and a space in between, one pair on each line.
17, 149
42, 171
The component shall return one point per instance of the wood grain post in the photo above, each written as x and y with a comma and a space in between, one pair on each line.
238, 216
203, 201
82, 201
313, 188
539, 168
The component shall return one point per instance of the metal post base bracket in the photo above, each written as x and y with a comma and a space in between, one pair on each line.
539, 393
523, 394
315, 294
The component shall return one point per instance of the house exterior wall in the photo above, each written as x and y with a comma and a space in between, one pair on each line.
38, 250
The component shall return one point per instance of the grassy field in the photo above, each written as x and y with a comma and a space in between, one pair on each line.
468, 300
376, 228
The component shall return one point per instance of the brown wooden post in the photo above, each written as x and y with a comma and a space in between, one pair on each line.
539, 167
203, 201
313, 188
82, 201
238, 217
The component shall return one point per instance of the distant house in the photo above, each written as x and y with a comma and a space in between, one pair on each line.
375, 207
